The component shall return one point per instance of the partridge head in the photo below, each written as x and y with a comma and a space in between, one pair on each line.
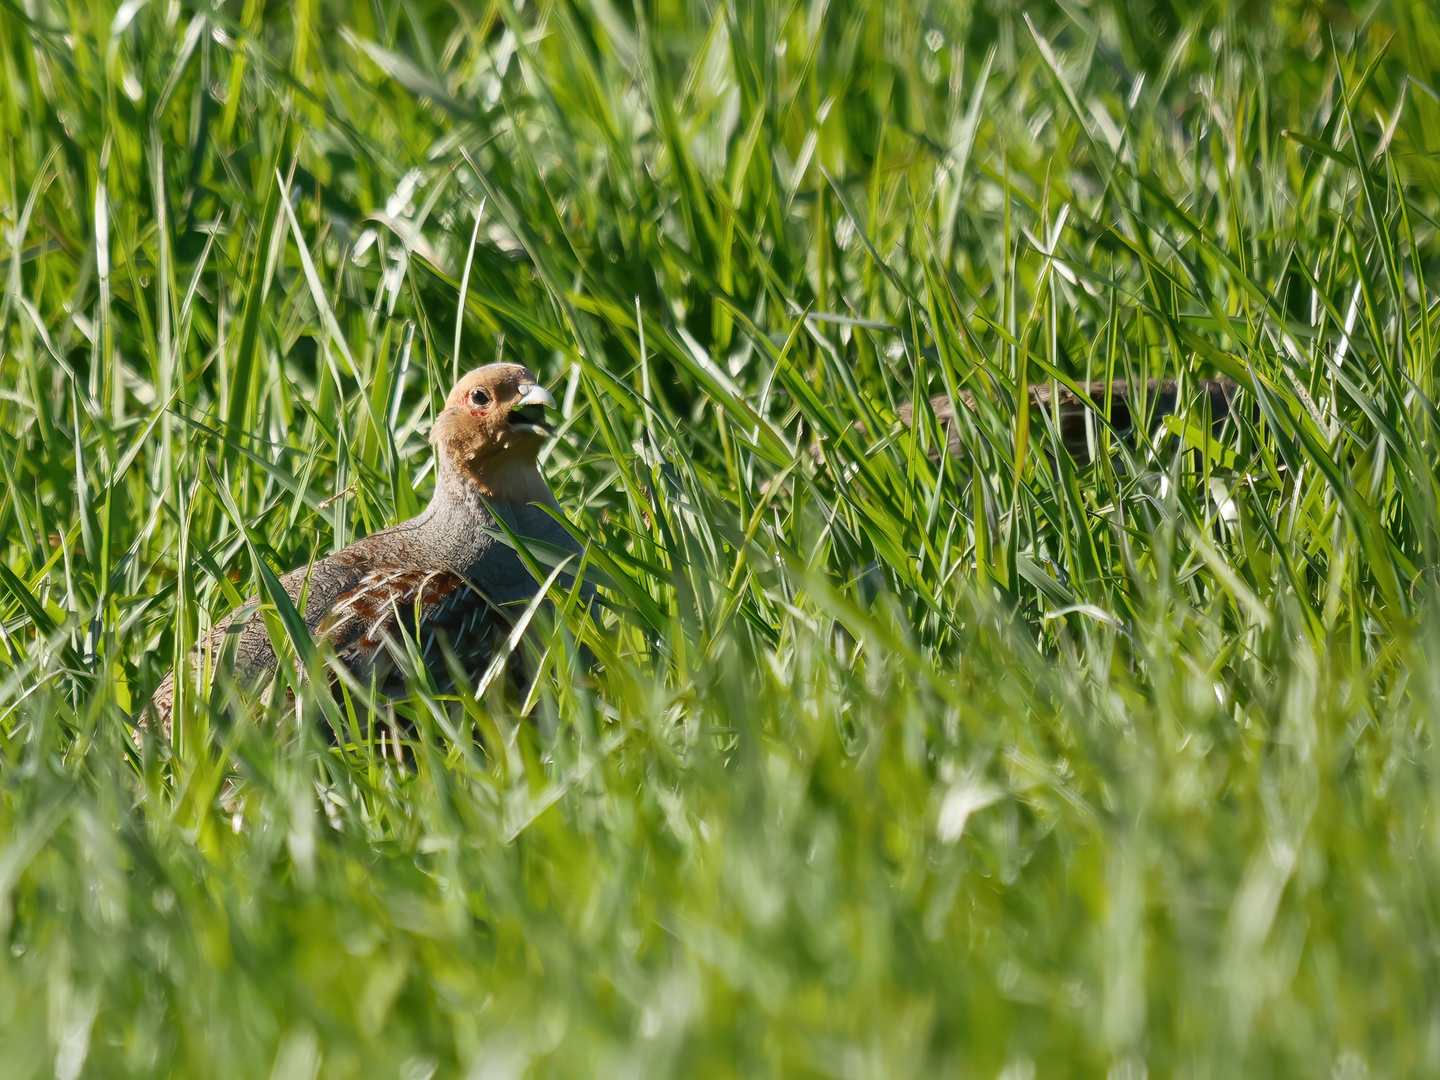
491, 430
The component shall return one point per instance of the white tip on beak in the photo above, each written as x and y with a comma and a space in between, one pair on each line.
533, 394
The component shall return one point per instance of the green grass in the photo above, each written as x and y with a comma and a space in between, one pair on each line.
887, 767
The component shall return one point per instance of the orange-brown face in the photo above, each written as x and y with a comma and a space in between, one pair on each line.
494, 416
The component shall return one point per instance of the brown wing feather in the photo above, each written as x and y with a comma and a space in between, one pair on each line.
363, 625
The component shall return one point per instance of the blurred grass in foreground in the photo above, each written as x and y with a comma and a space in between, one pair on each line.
893, 767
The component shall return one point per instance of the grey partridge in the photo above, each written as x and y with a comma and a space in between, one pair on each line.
1162, 394
446, 572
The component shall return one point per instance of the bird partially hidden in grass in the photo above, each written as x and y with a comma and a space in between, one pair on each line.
447, 573
1162, 397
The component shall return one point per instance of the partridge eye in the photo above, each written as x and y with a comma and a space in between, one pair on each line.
479, 397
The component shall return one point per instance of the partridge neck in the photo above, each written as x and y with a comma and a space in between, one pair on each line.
459, 524
509, 480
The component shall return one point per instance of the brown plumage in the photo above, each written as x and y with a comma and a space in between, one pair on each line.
441, 574
1161, 394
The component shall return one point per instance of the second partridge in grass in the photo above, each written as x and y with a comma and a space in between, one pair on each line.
1161, 395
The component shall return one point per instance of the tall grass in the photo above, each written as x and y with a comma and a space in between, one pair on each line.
888, 763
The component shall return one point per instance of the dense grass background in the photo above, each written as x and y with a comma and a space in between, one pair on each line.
889, 767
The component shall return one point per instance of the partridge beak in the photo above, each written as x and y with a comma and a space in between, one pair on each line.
533, 394
527, 413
